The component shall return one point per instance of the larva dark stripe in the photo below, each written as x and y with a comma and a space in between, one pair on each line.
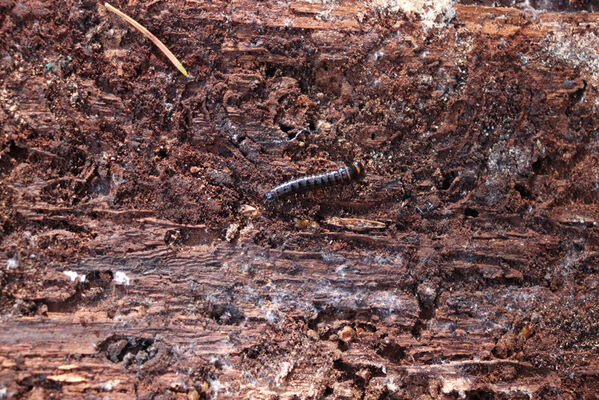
345, 177
342, 175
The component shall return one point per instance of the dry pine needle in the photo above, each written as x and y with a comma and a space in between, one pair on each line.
150, 36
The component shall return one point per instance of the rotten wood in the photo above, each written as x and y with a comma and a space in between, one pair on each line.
140, 261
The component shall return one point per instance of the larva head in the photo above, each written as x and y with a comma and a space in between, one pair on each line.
270, 196
359, 168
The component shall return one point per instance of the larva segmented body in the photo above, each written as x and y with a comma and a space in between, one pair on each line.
342, 175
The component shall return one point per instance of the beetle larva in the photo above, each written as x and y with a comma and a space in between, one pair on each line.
342, 175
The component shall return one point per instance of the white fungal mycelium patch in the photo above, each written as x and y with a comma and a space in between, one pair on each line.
392, 385
272, 317
74, 275
121, 278
456, 385
12, 263
111, 384
432, 13
216, 386
340, 270
286, 368
578, 49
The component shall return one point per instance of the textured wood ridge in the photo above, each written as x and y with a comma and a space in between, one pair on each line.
139, 259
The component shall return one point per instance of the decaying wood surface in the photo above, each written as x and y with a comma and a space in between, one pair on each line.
140, 260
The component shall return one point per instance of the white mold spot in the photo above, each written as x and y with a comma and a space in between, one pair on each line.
73, 275
216, 386
340, 270
392, 386
12, 263
108, 386
272, 317
458, 385
432, 13
121, 278
576, 49
286, 369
